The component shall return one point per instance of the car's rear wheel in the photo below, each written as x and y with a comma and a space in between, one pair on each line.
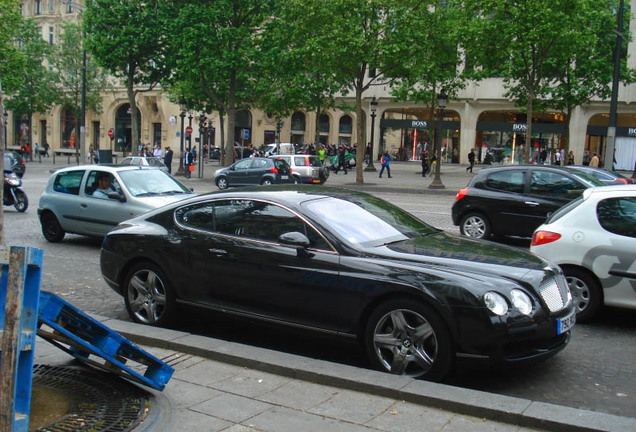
221, 183
51, 228
475, 225
266, 181
586, 293
21, 201
297, 179
408, 338
148, 296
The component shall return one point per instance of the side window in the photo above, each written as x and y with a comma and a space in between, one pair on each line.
125, 161
300, 161
259, 163
507, 181
243, 165
251, 219
553, 184
109, 184
618, 215
68, 182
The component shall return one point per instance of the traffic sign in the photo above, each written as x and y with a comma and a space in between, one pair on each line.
111, 133
189, 130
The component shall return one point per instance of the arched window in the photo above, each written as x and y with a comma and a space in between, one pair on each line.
324, 123
345, 124
298, 122
123, 128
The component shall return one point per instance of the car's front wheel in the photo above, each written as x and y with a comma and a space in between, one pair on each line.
148, 296
408, 338
475, 225
266, 181
586, 292
221, 183
51, 228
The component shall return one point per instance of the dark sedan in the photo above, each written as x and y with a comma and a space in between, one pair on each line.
347, 264
513, 200
254, 171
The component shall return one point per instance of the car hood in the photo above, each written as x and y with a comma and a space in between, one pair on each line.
475, 259
155, 201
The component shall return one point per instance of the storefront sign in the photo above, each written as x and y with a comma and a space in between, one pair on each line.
519, 127
631, 132
419, 124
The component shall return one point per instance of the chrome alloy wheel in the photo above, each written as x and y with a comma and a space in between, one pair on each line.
405, 343
474, 227
581, 295
147, 296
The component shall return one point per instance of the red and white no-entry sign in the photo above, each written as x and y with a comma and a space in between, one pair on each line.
111, 133
189, 130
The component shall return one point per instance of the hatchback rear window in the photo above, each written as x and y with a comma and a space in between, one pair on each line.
508, 181
618, 215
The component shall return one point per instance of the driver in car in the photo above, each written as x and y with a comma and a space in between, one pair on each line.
103, 185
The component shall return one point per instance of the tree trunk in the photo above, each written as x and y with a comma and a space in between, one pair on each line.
222, 132
3, 144
361, 146
526, 152
134, 113
317, 128
229, 144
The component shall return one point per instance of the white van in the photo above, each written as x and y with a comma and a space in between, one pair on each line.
285, 149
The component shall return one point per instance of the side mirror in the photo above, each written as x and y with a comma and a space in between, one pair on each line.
299, 240
116, 196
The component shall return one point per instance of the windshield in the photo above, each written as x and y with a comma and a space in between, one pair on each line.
146, 182
154, 162
367, 221
587, 179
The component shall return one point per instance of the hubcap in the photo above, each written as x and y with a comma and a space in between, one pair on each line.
405, 343
580, 293
475, 227
147, 296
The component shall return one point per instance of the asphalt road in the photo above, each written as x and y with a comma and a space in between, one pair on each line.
595, 372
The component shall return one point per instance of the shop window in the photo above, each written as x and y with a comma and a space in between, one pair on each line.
69, 133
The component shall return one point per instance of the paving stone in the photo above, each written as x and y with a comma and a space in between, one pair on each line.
461, 423
284, 419
299, 394
353, 406
251, 383
232, 408
184, 394
408, 417
200, 373
188, 420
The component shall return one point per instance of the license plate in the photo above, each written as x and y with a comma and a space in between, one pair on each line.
284, 177
565, 324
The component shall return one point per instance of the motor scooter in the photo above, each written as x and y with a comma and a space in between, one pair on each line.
13, 195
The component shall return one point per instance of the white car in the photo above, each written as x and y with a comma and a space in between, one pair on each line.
593, 239
151, 162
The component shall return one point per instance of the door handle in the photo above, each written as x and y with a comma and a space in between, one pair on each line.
218, 252
83, 205
532, 203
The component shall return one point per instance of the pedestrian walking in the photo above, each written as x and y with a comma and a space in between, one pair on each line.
471, 160
188, 163
385, 160
342, 162
571, 158
594, 161
424, 163
46, 149
167, 159
586, 157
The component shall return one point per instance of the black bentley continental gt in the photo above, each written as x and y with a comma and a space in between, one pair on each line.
346, 264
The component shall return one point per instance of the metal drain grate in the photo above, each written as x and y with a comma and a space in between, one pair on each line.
98, 401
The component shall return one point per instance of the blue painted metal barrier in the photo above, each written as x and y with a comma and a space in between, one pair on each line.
19, 296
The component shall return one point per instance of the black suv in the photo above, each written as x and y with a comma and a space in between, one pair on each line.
514, 200
14, 162
254, 171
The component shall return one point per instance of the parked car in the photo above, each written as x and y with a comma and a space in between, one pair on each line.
273, 149
514, 200
70, 201
152, 162
254, 171
347, 264
593, 239
607, 177
14, 162
306, 168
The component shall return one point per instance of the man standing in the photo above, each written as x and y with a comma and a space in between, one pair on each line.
586, 157
167, 159
187, 162
157, 151
594, 161
342, 160
471, 160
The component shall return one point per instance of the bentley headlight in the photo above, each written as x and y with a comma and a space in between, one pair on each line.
521, 301
496, 303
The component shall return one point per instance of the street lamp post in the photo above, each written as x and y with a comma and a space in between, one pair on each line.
182, 108
200, 152
279, 126
441, 104
374, 107
6, 124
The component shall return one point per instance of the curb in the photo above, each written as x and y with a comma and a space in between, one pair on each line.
506, 409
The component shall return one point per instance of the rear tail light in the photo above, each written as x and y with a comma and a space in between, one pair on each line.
274, 170
544, 237
461, 194
621, 180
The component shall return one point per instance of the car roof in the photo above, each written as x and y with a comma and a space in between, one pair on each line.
525, 167
610, 191
104, 167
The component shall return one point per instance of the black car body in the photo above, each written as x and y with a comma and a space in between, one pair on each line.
14, 162
514, 200
254, 171
347, 264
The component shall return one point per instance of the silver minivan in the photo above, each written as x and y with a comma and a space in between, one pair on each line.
306, 168
93, 199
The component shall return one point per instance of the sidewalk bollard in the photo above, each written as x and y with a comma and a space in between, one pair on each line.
19, 301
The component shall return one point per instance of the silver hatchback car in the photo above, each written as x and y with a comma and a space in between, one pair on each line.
306, 168
93, 199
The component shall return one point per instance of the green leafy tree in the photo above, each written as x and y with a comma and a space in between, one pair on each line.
520, 41
33, 93
67, 62
216, 49
11, 62
128, 39
362, 43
